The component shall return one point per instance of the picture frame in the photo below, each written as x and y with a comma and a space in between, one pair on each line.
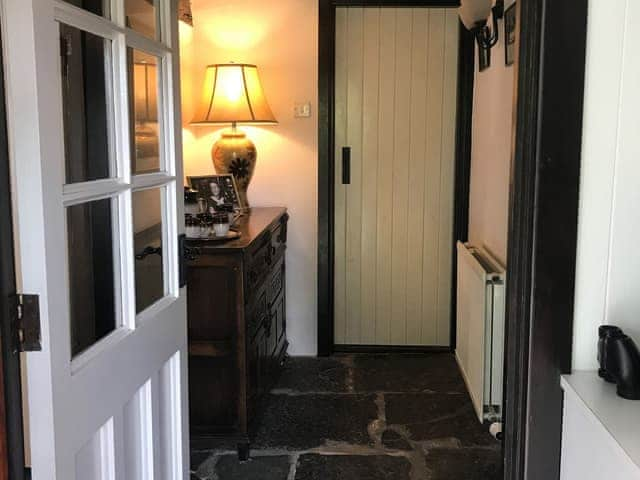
215, 191
510, 35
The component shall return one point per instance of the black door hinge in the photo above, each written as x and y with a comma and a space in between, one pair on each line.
27, 336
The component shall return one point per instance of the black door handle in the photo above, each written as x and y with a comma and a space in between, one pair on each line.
149, 251
346, 165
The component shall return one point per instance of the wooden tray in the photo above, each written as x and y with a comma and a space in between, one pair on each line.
231, 235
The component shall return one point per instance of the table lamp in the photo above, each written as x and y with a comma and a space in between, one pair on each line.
144, 105
233, 94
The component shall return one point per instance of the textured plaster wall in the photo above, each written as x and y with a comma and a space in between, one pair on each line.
281, 38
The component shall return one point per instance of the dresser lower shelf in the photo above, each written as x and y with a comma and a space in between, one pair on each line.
237, 329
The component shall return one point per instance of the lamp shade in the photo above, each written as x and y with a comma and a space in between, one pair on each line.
474, 12
145, 88
232, 93
184, 12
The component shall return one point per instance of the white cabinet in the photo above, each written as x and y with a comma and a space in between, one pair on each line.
601, 431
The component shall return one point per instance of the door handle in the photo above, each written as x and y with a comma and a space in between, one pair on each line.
346, 165
148, 251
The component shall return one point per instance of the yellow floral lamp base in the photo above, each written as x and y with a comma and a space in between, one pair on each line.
234, 153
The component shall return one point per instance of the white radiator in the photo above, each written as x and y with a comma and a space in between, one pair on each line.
480, 328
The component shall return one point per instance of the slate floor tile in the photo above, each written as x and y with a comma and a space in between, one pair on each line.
464, 464
308, 421
395, 441
437, 372
198, 458
333, 400
438, 416
304, 374
341, 467
258, 468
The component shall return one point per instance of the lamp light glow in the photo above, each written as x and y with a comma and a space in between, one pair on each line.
232, 94
145, 86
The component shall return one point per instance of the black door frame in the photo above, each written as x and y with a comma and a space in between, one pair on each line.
543, 218
543, 225
326, 162
10, 359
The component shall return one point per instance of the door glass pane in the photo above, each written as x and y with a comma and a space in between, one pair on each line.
99, 7
142, 16
91, 273
147, 228
144, 113
86, 96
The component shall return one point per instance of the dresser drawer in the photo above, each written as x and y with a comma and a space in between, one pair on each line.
258, 263
279, 236
270, 333
276, 282
258, 314
278, 313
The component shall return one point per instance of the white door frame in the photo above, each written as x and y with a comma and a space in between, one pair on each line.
57, 424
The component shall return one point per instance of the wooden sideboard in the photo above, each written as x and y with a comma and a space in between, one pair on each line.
237, 325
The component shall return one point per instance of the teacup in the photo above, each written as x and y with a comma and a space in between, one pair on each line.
221, 229
221, 224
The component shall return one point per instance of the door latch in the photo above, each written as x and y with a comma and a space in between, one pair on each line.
346, 165
26, 328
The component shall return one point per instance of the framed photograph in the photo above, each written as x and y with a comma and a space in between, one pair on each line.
214, 191
510, 35
484, 58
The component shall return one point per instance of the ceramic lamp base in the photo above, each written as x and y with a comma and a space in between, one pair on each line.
236, 154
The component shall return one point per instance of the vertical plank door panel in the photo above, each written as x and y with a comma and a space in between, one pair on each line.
386, 143
433, 134
355, 39
417, 174
396, 71
401, 177
370, 133
447, 178
340, 288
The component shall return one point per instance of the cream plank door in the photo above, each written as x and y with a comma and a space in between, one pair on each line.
97, 187
395, 109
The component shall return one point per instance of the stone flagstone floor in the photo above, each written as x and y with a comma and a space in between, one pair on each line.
369, 417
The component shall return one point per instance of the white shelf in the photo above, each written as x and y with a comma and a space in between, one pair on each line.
619, 417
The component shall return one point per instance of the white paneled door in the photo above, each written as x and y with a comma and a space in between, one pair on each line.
395, 104
92, 92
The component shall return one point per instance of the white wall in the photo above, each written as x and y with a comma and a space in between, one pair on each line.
608, 264
281, 38
491, 153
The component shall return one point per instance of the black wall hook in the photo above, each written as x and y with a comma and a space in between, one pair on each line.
488, 37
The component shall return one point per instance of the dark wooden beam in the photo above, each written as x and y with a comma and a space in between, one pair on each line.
326, 79
556, 229
543, 232
521, 231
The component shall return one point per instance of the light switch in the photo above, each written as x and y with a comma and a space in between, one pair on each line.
302, 110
